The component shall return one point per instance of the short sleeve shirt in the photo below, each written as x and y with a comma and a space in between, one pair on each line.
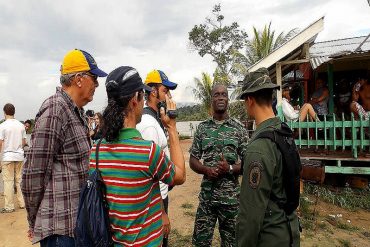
132, 168
211, 140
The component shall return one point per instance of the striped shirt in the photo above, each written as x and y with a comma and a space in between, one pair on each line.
56, 167
132, 168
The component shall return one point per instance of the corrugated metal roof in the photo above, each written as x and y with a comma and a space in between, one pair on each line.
322, 52
290, 76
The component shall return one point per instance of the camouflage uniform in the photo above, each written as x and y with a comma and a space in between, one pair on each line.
219, 198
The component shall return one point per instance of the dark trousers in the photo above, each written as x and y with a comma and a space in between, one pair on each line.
57, 241
165, 205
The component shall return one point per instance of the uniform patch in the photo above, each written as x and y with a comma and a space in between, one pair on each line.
255, 174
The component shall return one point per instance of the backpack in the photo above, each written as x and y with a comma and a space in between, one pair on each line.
93, 225
283, 138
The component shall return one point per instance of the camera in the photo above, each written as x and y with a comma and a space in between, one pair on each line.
171, 113
90, 113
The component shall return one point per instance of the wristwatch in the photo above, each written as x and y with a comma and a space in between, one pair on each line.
231, 169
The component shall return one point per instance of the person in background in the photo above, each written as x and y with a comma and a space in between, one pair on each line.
292, 114
12, 141
355, 107
132, 167
57, 162
216, 152
151, 128
343, 100
90, 121
320, 98
28, 128
96, 125
364, 93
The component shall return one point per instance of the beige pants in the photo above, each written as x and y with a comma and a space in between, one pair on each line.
9, 169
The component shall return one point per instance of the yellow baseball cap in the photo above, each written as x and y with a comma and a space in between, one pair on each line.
80, 61
157, 76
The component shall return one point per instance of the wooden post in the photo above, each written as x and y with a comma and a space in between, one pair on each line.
331, 88
331, 101
279, 95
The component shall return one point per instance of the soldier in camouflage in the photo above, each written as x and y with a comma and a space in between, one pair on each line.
219, 142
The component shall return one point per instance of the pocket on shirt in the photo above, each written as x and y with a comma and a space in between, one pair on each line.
230, 149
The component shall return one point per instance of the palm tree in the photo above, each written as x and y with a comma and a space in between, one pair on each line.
202, 90
264, 42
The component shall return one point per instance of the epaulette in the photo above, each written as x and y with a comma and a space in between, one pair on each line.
237, 122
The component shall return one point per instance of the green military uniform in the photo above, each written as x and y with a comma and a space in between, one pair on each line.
260, 221
219, 198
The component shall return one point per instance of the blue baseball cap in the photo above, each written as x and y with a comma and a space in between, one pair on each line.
159, 77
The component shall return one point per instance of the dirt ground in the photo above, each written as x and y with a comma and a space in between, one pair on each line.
325, 230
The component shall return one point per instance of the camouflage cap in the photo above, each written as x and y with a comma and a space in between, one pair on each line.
255, 81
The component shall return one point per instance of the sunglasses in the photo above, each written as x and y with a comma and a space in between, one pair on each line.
93, 77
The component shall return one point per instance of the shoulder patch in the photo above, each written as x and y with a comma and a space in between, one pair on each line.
255, 173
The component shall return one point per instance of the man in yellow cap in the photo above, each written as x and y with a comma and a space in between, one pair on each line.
151, 127
58, 159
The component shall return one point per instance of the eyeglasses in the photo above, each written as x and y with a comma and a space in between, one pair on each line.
93, 77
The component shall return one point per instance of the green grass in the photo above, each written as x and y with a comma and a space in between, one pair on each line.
176, 239
344, 243
187, 205
191, 214
347, 198
347, 227
322, 226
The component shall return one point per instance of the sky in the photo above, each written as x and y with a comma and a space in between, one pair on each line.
147, 35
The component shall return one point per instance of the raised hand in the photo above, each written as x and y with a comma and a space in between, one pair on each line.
222, 165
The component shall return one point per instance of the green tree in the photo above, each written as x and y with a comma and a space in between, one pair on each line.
202, 90
220, 41
264, 42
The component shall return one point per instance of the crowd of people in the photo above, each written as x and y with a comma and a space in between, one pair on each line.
350, 98
140, 160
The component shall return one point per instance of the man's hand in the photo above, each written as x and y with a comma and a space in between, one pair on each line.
166, 224
223, 166
30, 235
166, 120
212, 172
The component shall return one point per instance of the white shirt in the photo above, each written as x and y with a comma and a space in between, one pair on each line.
151, 130
12, 133
289, 112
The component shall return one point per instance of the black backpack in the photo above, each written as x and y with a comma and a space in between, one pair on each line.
93, 225
291, 165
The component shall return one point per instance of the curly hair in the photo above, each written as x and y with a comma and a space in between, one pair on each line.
114, 117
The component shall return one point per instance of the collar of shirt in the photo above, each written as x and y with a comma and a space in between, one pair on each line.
72, 105
129, 133
226, 120
268, 123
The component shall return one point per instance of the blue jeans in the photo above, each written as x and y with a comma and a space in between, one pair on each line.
57, 240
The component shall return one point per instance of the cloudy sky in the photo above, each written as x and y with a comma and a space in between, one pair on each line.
35, 35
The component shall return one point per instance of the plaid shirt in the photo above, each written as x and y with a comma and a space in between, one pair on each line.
56, 167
